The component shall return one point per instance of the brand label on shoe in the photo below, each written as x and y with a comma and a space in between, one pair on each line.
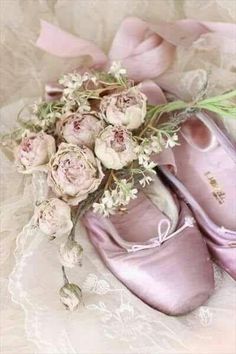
217, 192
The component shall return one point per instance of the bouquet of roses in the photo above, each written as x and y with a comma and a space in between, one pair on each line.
94, 138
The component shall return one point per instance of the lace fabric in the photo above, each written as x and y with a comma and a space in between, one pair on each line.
116, 320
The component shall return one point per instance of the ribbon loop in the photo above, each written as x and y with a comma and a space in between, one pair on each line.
163, 236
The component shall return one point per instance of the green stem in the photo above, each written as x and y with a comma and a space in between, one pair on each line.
223, 97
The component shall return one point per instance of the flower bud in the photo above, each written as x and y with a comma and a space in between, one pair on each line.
53, 217
70, 253
71, 296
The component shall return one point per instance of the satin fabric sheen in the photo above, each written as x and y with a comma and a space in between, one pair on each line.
174, 278
146, 50
192, 166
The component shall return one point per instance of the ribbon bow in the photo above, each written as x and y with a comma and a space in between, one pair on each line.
145, 50
163, 235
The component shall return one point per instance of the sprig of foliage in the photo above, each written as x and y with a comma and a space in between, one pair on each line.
221, 104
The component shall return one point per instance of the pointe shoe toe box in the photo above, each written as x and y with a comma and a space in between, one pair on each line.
174, 278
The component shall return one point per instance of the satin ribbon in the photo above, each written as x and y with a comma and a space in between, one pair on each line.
146, 50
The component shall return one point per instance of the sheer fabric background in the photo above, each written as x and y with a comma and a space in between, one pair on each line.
116, 320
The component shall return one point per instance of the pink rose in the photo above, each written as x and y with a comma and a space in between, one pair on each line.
34, 152
79, 129
74, 173
126, 108
115, 147
53, 217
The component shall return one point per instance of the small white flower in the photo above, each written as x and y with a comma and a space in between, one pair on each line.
71, 296
73, 84
35, 106
116, 70
149, 166
145, 150
107, 199
71, 81
115, 198
143, 159
100, 208
189, 221
145, 181
155, 145
171, 141
90, 77
107, 205
126, 192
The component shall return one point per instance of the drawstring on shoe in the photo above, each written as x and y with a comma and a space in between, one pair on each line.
225, 231
163, 236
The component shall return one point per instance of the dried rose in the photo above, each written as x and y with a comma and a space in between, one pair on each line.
70, 253
34, 152
126, 108
115, 147
79, 129
74, 172
53, 217
71, 296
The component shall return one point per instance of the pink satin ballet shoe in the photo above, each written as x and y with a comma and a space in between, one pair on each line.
156, 250
206, 178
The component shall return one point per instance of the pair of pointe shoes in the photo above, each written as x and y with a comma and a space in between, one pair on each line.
162, 248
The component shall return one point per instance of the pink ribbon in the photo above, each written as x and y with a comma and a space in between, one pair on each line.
145, 50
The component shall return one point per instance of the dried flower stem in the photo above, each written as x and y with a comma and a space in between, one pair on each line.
82, 208
109, 180
66, 280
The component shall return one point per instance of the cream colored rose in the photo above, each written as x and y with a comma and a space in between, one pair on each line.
115, 147
74, 172
126, 108
70, 254
71, 296
79, 129
34, 152
53, 217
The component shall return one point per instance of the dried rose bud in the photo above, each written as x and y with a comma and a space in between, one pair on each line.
53, 216
70, 253
71, 296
